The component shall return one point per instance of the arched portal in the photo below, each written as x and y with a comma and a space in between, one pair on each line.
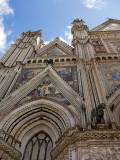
114, 104
38, 122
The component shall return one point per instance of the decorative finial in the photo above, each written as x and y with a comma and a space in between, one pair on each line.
57, 38
29, 32
109, 18
40, 33
40, 43
78, 22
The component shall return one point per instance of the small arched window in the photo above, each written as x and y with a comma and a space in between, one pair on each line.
38, 147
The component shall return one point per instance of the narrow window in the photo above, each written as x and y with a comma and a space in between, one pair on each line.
38, 147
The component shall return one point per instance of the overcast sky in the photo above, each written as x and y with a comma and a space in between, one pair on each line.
54, 17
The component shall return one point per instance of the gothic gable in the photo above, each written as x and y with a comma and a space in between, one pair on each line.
47, 89
68, 73
54, 86
55, 48
55, 52
109, 25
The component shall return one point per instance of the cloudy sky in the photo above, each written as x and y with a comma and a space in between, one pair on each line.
54, 17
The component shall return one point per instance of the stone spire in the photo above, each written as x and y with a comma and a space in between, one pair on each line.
79, 31
81, 39
40, 43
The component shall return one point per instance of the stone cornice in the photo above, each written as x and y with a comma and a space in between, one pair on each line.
8, 149
97, 61
85, 136
56, 64
103, 32
107, 54
18, 63
107, 61
99, 58
106, 35
50, 57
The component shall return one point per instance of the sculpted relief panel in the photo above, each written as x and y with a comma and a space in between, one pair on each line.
116, 46
98, 46
99, 153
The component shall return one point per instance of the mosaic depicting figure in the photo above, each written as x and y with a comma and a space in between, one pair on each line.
67, 74
113, 78
27, 74
111, 75
46, 89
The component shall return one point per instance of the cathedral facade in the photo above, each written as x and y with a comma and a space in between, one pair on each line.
62, 102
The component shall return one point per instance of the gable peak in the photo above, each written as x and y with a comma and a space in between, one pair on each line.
61, 48
109, 25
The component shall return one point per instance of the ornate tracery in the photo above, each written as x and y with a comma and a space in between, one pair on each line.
38, 147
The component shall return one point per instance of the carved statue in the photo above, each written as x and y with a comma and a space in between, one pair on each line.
49, 62
97, 114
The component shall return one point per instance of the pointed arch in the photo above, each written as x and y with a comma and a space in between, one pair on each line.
43, 114
39, 146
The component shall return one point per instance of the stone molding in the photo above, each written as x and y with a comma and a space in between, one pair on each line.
9, 150
85, 137
105, 24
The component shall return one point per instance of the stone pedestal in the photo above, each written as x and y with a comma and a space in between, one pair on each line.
101, 126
